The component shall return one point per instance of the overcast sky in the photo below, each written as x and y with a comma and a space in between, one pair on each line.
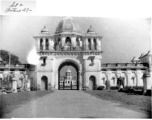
123, 38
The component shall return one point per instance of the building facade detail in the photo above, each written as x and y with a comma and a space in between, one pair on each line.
69, 46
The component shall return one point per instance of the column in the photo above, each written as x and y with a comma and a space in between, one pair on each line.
28, 84
109, 75
14, 85
38, 44
63, 41
80, 80
44, 44
73, 38
85, 84
80, 42
92, 44
50, 44
86, 44
98, 44
56, 80
129, 75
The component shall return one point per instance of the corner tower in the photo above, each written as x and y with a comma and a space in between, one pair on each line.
68, 47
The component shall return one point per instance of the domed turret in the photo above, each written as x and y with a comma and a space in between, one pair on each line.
67, 26
44, 30
91, 31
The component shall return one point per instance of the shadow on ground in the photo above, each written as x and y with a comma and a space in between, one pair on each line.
12, 101
135, 102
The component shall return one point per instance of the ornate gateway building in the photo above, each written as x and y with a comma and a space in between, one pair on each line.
69, 47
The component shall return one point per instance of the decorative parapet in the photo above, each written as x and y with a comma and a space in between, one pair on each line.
123, 66
12, 66
71, 53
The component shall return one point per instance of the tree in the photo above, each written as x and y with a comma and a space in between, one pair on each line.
5, 57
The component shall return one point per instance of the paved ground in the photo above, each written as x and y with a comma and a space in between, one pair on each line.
72, 104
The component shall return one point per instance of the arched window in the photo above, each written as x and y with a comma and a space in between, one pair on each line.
67, 44
41, 44
47, 44
89, 44
95, 44
133, 80
44, 83
113, 78
92, 82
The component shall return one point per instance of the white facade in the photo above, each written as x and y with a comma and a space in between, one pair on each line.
69, 46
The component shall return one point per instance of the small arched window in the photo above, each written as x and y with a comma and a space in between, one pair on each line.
89, 44
41, 44
47, 44
95, 43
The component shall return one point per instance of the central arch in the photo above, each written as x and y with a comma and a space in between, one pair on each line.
72, 86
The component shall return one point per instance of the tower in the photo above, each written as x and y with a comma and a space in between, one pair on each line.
69, 47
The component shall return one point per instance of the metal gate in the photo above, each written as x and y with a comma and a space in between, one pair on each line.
70, 86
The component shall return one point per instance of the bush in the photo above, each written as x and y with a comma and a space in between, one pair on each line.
100, 88
114, 88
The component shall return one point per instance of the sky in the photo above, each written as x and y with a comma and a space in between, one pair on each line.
123, 38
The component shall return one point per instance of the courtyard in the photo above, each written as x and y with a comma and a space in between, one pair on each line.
74, 104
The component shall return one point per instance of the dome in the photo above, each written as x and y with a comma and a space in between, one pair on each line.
67, 25
45, 30
91, 31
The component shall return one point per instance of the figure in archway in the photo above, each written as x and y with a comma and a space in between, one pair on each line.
67, 44
68, 76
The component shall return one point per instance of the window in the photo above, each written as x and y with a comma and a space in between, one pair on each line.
47, 44
133, 80
41, 44
103, 80
113, 80
95, 44
89, 46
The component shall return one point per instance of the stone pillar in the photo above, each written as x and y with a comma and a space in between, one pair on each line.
56, 80
148, 80
63, 41
38, 44
80, 42
28, 85
129, 75
109, 74
73, 41
50, 44
80, 80
85, 84
86, 44
98, 44
92, 44
138, 73
44, 44
14, 85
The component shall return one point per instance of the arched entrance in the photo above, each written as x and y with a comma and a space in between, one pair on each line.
74, 83
44, 83
92, 83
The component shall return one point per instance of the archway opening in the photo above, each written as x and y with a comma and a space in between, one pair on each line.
92, 83
44, 83
68, 40
68, 76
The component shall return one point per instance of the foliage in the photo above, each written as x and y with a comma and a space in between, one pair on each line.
5, 57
